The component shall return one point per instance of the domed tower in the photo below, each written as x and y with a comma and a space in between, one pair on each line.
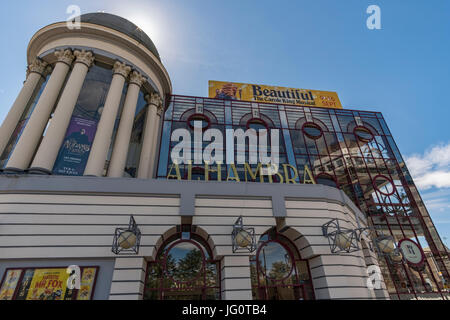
91, 103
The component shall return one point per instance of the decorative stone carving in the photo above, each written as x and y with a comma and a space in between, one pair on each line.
37, 66
137, 78
155, 99
122, 69
85, 57
65, 56
160, 109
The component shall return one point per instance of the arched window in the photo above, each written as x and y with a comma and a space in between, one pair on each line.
257, 124
363, 134
312, 130
183, 270
278, 272
204, 120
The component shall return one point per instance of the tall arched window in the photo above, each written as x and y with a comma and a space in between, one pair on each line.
184, 269
278, 272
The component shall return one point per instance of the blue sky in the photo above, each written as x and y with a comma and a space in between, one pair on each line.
402, 70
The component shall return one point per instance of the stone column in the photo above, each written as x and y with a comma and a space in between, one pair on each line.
31, 135
122, 141
102, 140
154, 158
36, 71
147, 157
49, 148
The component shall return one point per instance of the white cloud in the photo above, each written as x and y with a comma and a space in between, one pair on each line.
432, 168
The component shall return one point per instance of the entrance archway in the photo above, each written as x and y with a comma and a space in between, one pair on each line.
277, 270
184, 269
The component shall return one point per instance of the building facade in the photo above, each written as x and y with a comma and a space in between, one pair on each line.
86, 149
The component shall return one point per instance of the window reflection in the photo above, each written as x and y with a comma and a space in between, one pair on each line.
312, 130
183, 270
277, 271
184, 261
93, 94
363, 134
274, 261
326, 179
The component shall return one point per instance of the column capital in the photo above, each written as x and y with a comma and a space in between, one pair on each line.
85, 57
38, 66
137, 78
65, 56
156, 100
159, 110
122, 69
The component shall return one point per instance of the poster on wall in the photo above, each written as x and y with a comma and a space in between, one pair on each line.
46, 284
87, 281
74, 151
9, 284
273, 94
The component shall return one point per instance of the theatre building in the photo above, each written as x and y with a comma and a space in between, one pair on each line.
93, 205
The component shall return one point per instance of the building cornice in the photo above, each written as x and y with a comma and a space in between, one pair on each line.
187, 191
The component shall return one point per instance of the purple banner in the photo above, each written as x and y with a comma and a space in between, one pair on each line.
74, 152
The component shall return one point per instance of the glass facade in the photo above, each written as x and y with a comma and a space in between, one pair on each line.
347, 149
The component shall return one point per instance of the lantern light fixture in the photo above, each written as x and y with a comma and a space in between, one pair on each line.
243, 238
386, 247
127, 240
346, 240
340, 239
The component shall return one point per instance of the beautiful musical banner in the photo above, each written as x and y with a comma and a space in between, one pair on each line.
273, 94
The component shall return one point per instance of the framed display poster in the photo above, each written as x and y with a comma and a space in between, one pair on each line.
46, 284
9, 284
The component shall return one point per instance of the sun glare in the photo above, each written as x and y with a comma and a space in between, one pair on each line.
147, 24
